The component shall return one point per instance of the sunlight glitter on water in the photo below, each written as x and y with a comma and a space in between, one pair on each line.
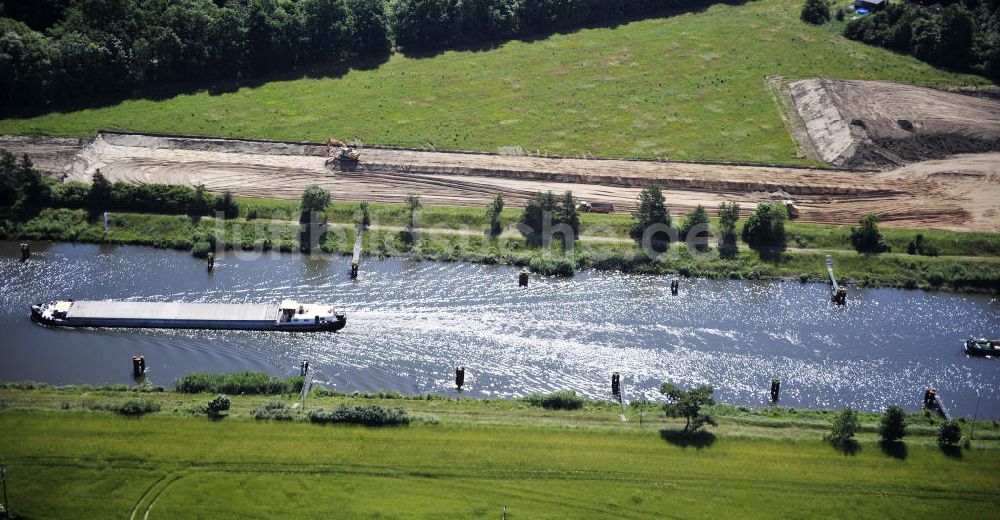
410, 323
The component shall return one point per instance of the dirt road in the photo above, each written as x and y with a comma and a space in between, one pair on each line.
925, 195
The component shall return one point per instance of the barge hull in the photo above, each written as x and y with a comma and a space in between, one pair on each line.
180, 315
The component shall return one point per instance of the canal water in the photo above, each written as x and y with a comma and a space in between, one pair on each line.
410, 323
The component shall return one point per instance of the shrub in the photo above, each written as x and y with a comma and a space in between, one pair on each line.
217, 405
562, 400
136, 407
815, 12
918, 246
765, 227
867, 238
368, 415
552, 265
273, 411
949, 434
893, 427
251, 383
844, 426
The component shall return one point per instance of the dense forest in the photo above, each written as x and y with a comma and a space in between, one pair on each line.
964, 36
57, 51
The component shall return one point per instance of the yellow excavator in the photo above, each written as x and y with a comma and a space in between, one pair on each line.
344, 155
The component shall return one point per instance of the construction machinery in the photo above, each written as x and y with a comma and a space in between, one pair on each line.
595, 207
791, 208
342, 154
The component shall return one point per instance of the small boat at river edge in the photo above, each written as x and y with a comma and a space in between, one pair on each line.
287, 316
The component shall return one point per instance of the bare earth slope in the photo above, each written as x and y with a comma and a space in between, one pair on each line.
954, 194
884, 124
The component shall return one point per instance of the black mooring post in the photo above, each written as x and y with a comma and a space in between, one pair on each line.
459, 376
775, 390
616, 386
25, 252
138, 366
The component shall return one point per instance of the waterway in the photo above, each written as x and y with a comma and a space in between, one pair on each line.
410, 323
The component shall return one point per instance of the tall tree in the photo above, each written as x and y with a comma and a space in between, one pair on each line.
567, 214
696, 220
413, 205
328, 30
532, 222
651, 211
372, 36
494, 212
729, 215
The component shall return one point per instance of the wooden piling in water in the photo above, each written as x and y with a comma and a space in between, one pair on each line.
459, 377
522, 277
25, 252
775, 390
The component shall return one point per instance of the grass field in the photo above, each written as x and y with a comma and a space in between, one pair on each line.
466, 459
687, 86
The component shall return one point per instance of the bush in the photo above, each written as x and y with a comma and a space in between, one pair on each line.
137, 407
217, 405
815, 12
844, 426
248, 383
918, 246
949, 434
867, 238
562, 400
552, 265
273, 411
765, 227
368, 415
893, 427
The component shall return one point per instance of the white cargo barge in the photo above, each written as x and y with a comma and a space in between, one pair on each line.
287, 316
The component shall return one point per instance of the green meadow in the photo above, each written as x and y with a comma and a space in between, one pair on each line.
467, 458
687, 86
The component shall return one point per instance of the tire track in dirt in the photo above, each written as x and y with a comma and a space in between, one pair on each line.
922, 196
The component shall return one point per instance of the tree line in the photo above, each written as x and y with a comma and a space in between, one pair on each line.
58, 51
963, 37
53, 51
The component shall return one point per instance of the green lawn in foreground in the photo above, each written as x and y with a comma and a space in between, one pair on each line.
94, 465
689, 86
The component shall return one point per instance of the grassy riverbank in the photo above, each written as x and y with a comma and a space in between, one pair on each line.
466, 459
687, 85
968, 261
